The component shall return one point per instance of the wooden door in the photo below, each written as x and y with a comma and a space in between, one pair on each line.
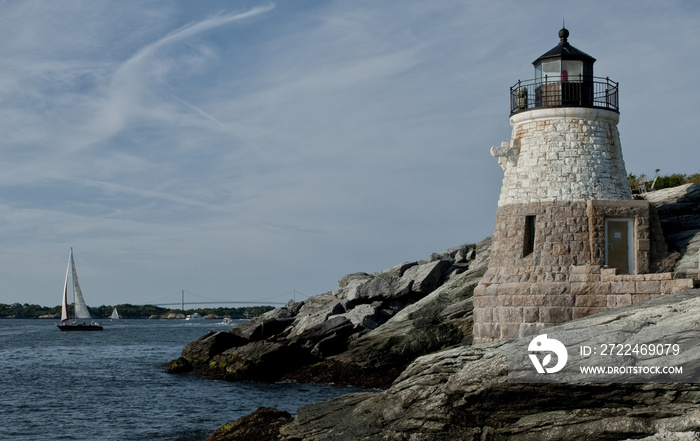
618, 246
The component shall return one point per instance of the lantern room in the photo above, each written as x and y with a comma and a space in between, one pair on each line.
564, 63
564, 78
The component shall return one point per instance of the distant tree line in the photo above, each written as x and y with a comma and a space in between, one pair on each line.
673, 180
127, 311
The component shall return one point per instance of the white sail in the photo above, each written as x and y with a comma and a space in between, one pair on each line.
82, 321
115, 314
81, 309
65, 315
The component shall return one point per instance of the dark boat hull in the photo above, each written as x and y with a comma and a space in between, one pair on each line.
80, 327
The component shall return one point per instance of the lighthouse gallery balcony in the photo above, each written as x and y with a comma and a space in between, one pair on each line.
555, 92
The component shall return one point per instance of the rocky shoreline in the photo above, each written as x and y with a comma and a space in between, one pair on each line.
363, 334
407, 330
464, 393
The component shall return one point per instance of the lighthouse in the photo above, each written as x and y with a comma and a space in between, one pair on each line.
569, 240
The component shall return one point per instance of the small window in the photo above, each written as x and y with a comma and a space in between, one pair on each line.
529, 236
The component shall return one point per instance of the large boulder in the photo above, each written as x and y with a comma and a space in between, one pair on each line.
427, 277
256, 361
689, 244
464, 393
356, 278
313, 312
377, 288
678, 209
210, 344
361, 315
397, 282
679, 212
261, 425
263, 328
329, 337
397, 270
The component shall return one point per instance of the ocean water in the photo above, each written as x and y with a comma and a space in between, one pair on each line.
111, 385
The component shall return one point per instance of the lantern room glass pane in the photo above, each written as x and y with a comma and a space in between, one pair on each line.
552, 70
571, 70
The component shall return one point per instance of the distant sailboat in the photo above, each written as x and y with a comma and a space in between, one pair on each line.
82, 320
115, 315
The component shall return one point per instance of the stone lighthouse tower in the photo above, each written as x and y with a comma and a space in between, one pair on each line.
569, 241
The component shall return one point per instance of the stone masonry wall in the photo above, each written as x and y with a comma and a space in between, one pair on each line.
561, 240
563, 278
567, 234
562, 154
514, 310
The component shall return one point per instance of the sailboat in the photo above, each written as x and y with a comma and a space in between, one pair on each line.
115, 315
81, 320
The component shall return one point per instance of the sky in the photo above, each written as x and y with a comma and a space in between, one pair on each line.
258, 151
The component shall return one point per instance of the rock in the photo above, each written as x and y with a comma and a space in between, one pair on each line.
210, 344
179, 366
439, 320
262, 328
458, 254
284, 312
464, 393
333, 343
688, 243
686, 193
335, 324
305, 341
678, 208
332, 417
426, 278
398, 270
679, 213
665, 435
261, 425
378, 288
313, 312
418, 278
344, 281
294, 307
359, 314
264, 361
460, 257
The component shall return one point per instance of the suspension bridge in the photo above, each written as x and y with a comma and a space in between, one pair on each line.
196, 299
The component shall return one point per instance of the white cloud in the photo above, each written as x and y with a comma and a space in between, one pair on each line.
280, 146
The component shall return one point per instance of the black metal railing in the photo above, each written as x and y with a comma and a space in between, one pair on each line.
541, 93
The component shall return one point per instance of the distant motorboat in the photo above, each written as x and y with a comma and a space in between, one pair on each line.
115, 315
82, 320
226, 321
194, 316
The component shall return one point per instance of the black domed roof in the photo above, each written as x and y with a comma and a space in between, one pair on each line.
564, 51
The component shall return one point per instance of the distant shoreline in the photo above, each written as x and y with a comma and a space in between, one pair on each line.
127, 311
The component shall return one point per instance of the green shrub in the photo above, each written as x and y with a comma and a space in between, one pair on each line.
667, 181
